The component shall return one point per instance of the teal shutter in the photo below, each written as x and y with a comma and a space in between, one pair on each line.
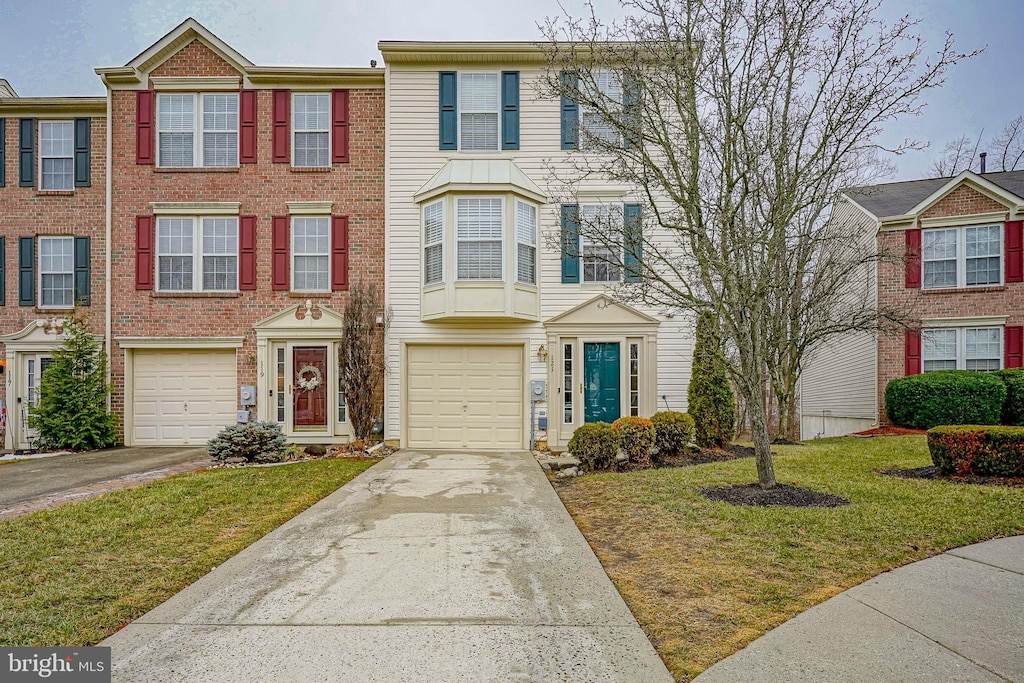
3, 269
448, 123
83, 271
632, 241
26, 152
570, 114
631, 111
3, 149
26, 271
570, 243
510, 110
82, 152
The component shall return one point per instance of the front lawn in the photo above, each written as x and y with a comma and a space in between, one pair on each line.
706, 578
75, 574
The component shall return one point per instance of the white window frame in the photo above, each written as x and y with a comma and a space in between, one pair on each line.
295, 130
463, 110
633, 356
198, 255
531, 244
586, 137
961, 256
961, 345
198, 128
459, 241
42, 272
437, 243
295, 253
613, 206
70, 157
569, 383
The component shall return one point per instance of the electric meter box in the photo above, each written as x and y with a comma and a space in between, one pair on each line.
247, 396
538, 390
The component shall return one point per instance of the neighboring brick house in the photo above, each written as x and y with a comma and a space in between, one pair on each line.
245, 200
961, 276
52, 236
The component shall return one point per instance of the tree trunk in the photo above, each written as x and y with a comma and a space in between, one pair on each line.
762, 441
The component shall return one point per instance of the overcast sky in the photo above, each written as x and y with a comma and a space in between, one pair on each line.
50, 47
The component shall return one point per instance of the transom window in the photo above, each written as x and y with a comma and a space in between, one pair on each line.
962, 257
56, 272
479, 102
181, 145
311, 250
601, 242
311, 127
56, 155
479, 226
526, 243
214, 249
962, 348
433, 243
596, 128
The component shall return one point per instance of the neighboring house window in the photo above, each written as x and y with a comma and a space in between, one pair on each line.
479, 102
479, 224
634, 379
181, 145
433, 243
962, 257
311, 127
567, 373
600, 238
526, 243
56, 155
962, 348
56, 272
311, 254
595, 126
179, 249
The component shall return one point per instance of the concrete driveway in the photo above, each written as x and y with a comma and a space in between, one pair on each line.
430, 566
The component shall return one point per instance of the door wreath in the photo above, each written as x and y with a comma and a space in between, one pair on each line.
309, 383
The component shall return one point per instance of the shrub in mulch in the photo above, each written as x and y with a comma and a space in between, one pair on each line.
703, 456
752, 495
948, 397
672, 431
931, 472
595, 445
636, 438
978, 449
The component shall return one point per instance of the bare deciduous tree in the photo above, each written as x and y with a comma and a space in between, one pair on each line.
957, 156
1005, 152
361, 357
738, 121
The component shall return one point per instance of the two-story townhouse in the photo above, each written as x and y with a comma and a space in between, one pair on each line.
245, 201
953, 262
486, 311
52, 236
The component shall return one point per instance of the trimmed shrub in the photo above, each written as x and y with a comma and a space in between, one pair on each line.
978, 449
710, 400
949, 397
1013, 406
315, 449
254, 441
595, 445
636, 437
672, 431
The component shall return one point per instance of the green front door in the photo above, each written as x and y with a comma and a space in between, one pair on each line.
601, 382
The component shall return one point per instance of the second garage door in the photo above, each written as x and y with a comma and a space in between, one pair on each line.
182, 397
464, 397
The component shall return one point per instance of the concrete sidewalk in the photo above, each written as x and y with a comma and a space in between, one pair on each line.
430, 566
958, 617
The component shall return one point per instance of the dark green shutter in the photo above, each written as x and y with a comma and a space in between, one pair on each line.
26, 152
82, 271
3, 150
26, 271
82, 152
632, 241
631, 111
570, 243
570, 114
3, 270
510, 110
448, 122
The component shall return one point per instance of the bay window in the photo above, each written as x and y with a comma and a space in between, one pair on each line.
479, 228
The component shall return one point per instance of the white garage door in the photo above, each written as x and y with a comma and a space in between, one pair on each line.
464, 396
182, 397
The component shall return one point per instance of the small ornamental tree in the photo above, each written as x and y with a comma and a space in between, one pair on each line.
712, 404
361, 361
72, 408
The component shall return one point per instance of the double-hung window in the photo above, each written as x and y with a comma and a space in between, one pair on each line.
197, 130
433, 243
56, 155
526, 243
180, 248
56, 272
311, 127
596, 128
962, 257
962, 348
311, 253
479, 225
479, 103
601, 242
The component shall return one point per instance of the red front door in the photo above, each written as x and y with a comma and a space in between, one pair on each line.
310, 391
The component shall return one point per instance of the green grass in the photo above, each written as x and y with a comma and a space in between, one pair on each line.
75, 574
705, 578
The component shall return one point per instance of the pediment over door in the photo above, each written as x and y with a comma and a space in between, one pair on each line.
603, 310
301, 320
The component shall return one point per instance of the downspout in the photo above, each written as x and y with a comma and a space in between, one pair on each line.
107, 246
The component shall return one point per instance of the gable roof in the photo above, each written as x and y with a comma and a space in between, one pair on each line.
898, 199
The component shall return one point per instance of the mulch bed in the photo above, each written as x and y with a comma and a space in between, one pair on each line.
703, 456
932, 472
889, 431
782, 495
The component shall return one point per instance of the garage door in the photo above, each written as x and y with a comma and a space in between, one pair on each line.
182, 397
464, 396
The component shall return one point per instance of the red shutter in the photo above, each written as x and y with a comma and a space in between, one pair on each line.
246, 253
1014, 344
913, 255
912, 352
1014, 262
339, 129
282, 126
247, 129
339, 252
280, 253
143, 252
144, 115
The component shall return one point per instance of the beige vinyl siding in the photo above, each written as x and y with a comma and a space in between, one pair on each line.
413, 157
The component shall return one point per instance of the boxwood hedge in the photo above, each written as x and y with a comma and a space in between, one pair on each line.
1013, 407
949, 397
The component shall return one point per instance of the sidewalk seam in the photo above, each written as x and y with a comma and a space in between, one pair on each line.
977, 561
